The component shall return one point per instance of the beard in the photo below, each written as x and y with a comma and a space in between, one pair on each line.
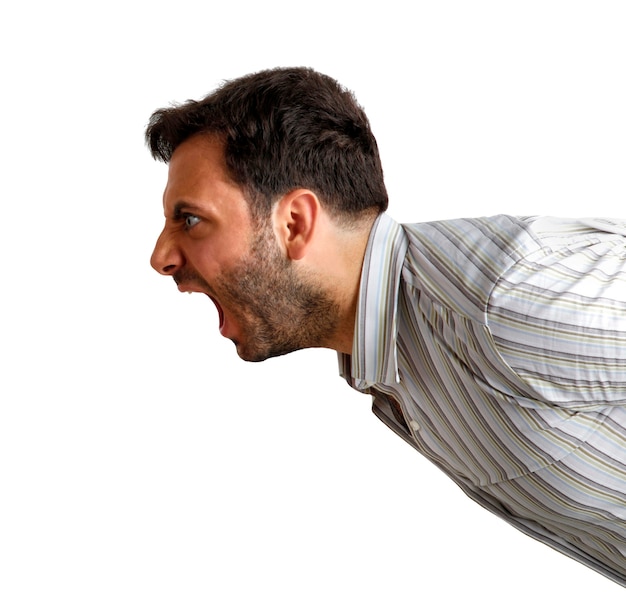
277, 311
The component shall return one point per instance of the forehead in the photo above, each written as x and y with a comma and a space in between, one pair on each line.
197, 170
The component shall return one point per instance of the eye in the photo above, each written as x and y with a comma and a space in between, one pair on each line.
190, 220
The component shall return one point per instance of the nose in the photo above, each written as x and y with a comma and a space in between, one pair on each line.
166, 258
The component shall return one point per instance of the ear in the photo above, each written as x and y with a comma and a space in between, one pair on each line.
295, 219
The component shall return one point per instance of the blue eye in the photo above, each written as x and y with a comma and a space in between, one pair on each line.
191, 221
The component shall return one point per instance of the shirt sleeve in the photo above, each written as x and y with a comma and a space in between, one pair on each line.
558, 316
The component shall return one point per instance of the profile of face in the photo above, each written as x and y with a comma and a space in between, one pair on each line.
211, 244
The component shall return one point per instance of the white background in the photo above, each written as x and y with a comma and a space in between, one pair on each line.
141, 463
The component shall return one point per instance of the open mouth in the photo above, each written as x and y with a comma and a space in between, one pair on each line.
220, 312
190, 288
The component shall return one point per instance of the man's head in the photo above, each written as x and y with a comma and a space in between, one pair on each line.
284, 129
273, 182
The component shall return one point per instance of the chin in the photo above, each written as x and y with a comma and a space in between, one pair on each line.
256, 355
251, 355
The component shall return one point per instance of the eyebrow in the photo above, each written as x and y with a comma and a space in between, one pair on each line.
183, 206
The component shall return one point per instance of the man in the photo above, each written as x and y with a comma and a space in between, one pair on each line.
495, 346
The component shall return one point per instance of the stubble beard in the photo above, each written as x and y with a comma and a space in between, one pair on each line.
278, 310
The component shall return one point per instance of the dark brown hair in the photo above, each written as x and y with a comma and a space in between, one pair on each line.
283, 129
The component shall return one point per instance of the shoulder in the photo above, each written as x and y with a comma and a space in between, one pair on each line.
558, 316
458, 262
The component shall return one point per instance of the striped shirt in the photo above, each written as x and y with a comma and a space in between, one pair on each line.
497, 348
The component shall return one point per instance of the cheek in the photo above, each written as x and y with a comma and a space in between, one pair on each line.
216, 259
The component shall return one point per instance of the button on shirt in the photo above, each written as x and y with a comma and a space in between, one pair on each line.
497, 348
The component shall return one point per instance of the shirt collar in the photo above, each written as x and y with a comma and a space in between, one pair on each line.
374, 357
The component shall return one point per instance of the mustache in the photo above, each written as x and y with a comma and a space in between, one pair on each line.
186, 275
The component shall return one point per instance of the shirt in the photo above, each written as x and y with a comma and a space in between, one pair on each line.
497, 348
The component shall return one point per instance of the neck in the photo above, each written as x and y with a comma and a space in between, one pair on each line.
346, 264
